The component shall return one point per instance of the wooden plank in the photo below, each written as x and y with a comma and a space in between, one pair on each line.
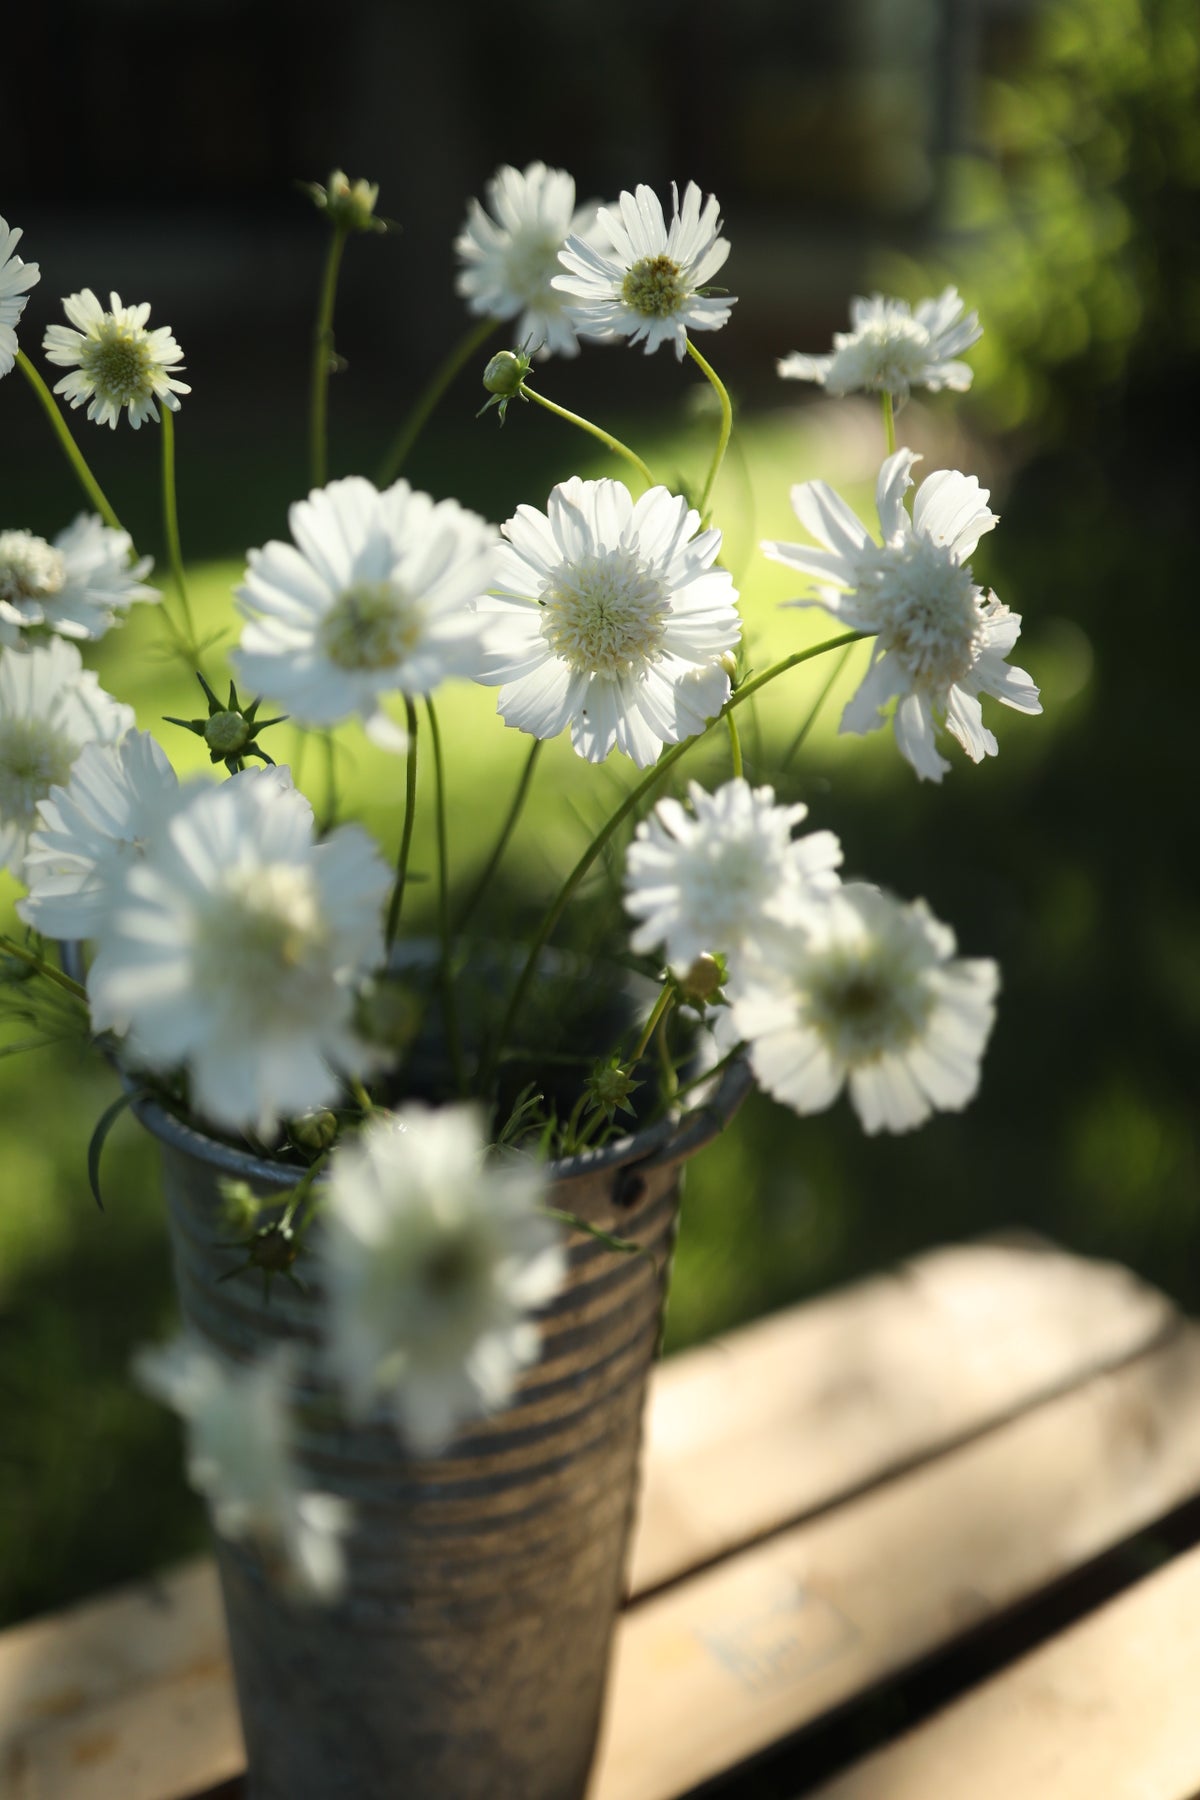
1110, 1708
719, 1667
782, 1418
772, 1424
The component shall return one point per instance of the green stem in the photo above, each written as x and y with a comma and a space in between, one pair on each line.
410, 819
735, 746
429, 396
34, 961
661, 1007
889, 421
797, 742
331, 787
722, 435
709, 1074
171, 525
497, 856
318, 446
449, 1010
365, 1103
75, 456
597, 431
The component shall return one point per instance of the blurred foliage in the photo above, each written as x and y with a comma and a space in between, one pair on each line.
1075, 224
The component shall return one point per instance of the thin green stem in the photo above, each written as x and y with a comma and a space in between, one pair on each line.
34, 961
331, 785
406, 836
429, 396
323, 361
75, 456
709, 1074
630, 804
735, 746
171, 526
661, 1007
449, 1010
889, 421
798, 741
597, 431
365, 1103
726, 428
497, 856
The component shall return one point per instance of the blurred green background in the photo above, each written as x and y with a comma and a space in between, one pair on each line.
1048, 162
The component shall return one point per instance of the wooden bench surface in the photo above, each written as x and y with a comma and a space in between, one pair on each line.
831, 1496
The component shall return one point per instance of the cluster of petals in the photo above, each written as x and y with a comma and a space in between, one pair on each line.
722, 877
867, 993
608, 616
648, 287
241, 1457
16, 279
78, 586
117, 364
50, 707
432, 1261
373, 597
940, 642
235, 947
893, 348
508, 253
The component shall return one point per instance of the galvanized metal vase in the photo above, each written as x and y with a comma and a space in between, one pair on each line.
467, 1658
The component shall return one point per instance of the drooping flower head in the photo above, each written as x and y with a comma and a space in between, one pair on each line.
235, 948
649, 287
893, 348
508, 254
16, 279
609, 617
78, 586
867, 992
50, 707
116, 800
241, 1458
117, 363
713, 879
433, 1260
372, 598
940, 642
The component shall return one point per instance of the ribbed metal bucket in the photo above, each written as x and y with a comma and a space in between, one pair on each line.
467, 1658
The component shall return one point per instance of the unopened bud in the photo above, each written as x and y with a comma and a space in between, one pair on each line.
729, 663
314, 1131
227, 733
274, 1249
702, 980
351, 204
505, 373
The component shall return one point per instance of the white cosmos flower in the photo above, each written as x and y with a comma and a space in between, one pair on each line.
235, 947
713, 878
50, 707
609, 617
433, 1260
940, 642
648, 286
241, 1458
117, 799
867, 992
892, 348
373, 598
77, 586
16, 278
509, 253
116, 361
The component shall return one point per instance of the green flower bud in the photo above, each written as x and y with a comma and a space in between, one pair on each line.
227, 734
240, 1206
705, 978
351, 204
505, 373
609, 1087
314, 1131
274, 1249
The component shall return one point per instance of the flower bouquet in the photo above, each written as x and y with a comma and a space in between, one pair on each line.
423, 1191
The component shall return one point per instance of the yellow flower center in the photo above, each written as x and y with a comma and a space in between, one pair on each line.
371, 625
30, 568
119, 362
654, 287
34, 757
605, 615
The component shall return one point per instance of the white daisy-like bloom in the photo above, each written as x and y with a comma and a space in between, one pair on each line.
508, 253
89, 832
710, 880
241, 1457
374, 597
432, 1260
16, 279
867, 993
116, 362
77, 586
648, 287
235, 949
609, 617
940, 641
50, 707
893, 348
